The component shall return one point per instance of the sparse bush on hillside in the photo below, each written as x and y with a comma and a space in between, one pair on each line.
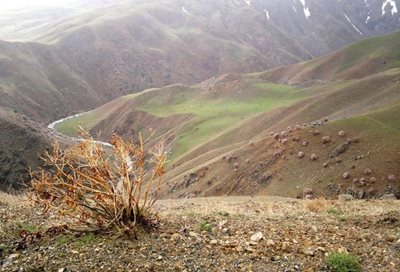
342, 262
101, 189
317, 205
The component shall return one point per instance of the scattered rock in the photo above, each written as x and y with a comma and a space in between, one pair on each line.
326, 139
341, 133
372, 179
316, 132
308, 191
313, 157
270, 242
257, 237
300, 155
309, 251
340, 149
284, 141
325, 164
391, 177
367, 171
305, 143
13, 256
314, 229
346, 175
345, 197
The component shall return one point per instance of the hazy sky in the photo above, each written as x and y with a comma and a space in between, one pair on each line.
11, 4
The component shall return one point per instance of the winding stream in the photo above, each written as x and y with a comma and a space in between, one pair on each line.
53, 125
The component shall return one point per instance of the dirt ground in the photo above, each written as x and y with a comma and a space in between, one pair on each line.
210, 234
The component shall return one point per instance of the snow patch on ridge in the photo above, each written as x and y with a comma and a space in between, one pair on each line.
306, 9
392, 3
266, 13
348, 19
185, 11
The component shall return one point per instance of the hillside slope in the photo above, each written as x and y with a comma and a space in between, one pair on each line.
232, 117
22, 142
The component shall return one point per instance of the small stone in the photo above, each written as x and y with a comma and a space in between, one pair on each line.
367, 171
342, 133
284, 141
214, 242
313, 157
13, 256
391, 177
257, 237
345, 197
355, 140
300, 155
62, 269
305, 143
326, 139
308, 191
316, 132
160, 258
346, 175
372, 179
322, 249
314, 229
193, 234
309, 252
270, 242
275, 258
325, 164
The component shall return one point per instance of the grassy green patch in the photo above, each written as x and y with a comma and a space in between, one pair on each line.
28, 227
85, 239
223, 213
64, 239
342, 262
71, 127
205, 226
335, 211
216, 114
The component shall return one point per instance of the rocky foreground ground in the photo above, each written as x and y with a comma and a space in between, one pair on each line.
213, 234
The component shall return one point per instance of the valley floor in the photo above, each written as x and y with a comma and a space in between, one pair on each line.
211, 234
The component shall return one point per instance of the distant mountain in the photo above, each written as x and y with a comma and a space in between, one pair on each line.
62, 60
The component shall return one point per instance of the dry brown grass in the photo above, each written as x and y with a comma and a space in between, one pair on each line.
101, 189
13, 200
317, 205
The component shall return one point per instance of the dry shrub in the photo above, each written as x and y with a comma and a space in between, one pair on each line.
317, 205
100, 188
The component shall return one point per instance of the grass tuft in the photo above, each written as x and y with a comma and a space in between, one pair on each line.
342, 262
205, 226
